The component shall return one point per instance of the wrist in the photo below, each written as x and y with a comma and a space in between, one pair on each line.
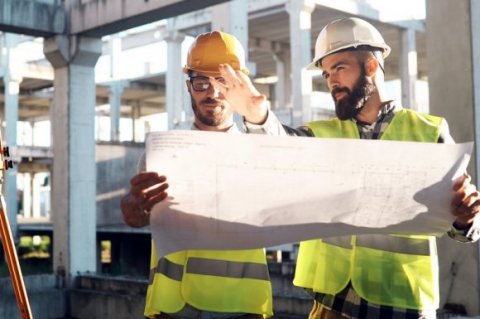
259, 118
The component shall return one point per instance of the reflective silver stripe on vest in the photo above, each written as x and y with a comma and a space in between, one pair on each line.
230, 269
394, 244
342, 241
166, 267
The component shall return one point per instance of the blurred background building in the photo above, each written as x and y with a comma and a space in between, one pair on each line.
83, 81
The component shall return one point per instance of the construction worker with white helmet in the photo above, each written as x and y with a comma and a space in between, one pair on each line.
372, 276
205, 284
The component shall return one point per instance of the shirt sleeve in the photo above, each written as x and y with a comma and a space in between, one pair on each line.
469, 235
271, 126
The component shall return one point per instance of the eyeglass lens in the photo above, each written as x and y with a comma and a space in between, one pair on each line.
201, 83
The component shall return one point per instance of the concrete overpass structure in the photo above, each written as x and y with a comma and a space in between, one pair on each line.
280, 35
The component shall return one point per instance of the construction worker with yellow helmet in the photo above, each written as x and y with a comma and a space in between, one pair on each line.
371, 276
204, 284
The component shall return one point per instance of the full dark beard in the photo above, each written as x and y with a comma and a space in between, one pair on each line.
209, 118
349, 106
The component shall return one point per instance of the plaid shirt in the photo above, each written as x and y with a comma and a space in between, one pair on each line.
375, 130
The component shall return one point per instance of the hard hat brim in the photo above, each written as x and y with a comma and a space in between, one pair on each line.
385, 52
312, 66
208, 72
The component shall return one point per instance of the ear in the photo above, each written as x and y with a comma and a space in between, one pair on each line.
371, 66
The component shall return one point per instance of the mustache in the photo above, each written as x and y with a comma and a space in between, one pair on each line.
338, 90
209, 100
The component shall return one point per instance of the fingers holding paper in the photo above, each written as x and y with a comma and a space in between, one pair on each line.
146, 190
465, 202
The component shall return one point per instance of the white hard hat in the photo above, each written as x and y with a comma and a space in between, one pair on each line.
347, 33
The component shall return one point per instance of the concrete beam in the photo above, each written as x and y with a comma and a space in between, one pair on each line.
263, 45
32, 17
33, 152
97, 18
359, 8
36, 71
190, 22
139, 85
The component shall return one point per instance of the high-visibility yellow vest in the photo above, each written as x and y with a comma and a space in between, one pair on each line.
392, 270
217, 281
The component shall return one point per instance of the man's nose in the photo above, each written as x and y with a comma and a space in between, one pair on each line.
332, 83
213, 91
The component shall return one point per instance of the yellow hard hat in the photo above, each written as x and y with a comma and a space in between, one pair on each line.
211, 49
347, 33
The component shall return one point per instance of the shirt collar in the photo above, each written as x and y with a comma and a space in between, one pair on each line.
388, 107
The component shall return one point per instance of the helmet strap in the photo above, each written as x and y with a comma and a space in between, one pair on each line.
379, 57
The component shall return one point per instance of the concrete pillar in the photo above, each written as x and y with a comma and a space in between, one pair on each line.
135, 116
36, 182
27, 194
450, 65
409, 69
188, 111
116, 86
281, 86
115, 101
32, 128
474, 27
12, 76
453, 59
115, 44
73, 176
175, 80
300, 13
475, 24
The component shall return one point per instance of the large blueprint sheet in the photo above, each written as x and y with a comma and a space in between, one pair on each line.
236, 191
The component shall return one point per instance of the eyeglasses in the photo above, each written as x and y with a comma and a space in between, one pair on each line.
201, 83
